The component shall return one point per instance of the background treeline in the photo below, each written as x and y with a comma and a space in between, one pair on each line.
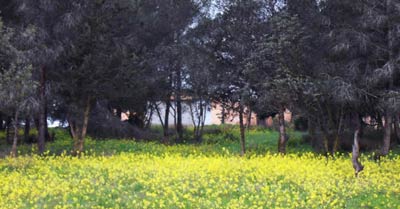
333, 63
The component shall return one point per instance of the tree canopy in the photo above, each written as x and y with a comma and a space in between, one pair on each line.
334, 63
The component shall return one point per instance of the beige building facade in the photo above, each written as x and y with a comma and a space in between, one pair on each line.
214, 117
233, 117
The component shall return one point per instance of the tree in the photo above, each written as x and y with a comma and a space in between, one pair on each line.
275, 64
175, 19
16, 83
48, 24
234, 32
95, 60
368, 40
199, 84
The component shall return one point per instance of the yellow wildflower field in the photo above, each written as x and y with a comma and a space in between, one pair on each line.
174, 180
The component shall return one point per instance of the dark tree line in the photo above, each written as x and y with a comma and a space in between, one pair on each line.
332, 62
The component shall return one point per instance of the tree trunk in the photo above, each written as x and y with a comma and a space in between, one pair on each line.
397, 127
166, 121
156, 107
223, 114
194, 116
46, 125
392, 59
242, 132
118, 113
336, 143
311, 126
1, 122
8, 130
167, 111
15, 138
326, 143
27, 129
173, 113
148, 121
330, 136
198, 119
282, 132
386, 134
79, 129
248, 125
358, 167
42, 112
203, 120
324, 127
179, 126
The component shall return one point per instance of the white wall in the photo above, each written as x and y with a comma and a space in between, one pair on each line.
186, 118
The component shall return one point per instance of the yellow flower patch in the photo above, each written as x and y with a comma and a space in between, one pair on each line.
130, 180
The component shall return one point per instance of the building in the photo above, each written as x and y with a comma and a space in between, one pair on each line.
214, 117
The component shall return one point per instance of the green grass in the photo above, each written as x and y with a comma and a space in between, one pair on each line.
259, 142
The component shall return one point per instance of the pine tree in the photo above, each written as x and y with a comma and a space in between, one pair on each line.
17, 86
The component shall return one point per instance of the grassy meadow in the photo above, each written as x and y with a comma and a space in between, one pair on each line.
130, 174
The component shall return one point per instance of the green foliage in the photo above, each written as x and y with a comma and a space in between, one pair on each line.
17, 89
16, 83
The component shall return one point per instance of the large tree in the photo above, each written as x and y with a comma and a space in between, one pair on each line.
234, 32
274, 66
16, 83
96, 62
365, 43
200, 63
174, 20
48, 25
